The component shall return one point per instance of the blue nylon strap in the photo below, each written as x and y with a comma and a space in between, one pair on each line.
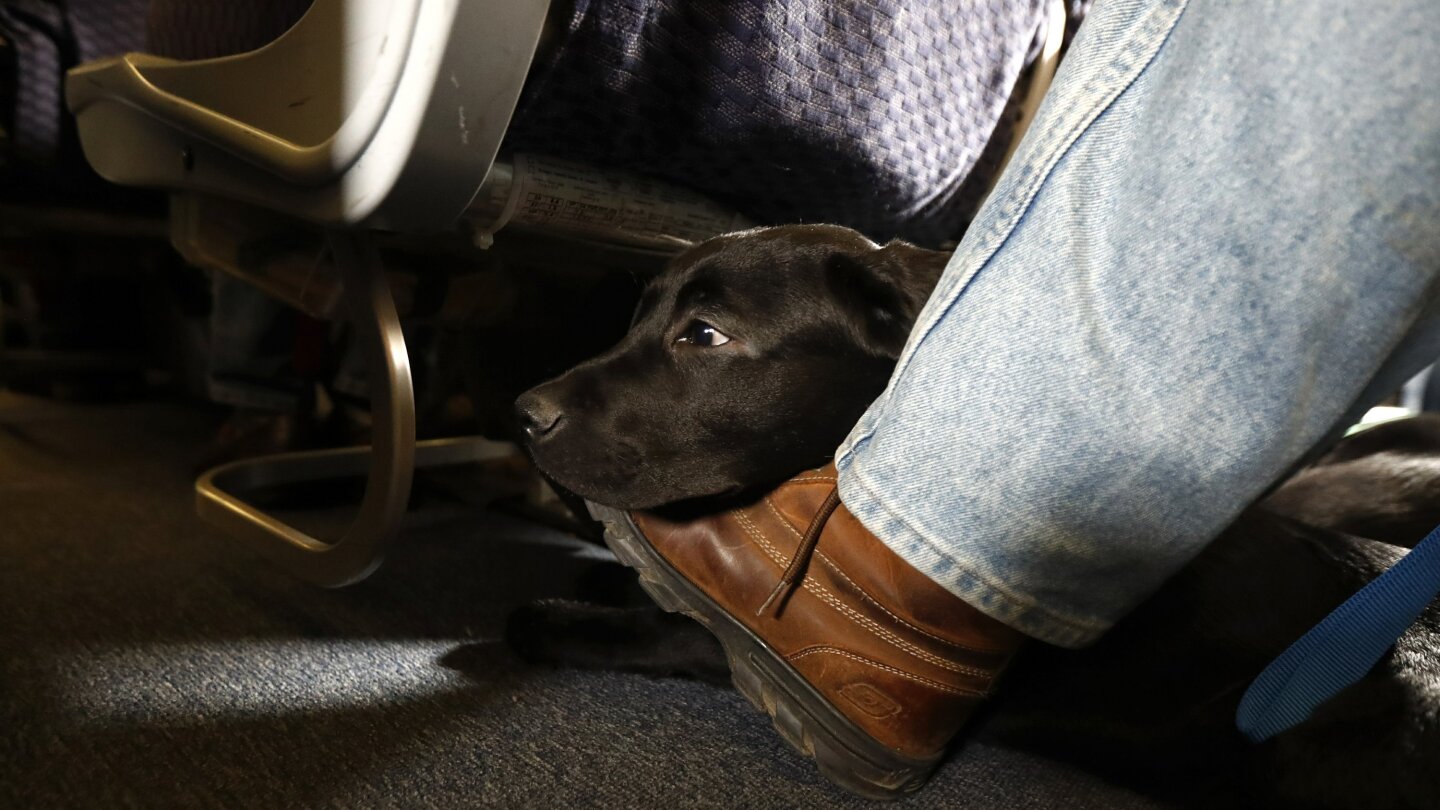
1341, 649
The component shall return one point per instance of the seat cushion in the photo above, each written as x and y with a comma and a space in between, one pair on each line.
875, 114
44, 38
867, 113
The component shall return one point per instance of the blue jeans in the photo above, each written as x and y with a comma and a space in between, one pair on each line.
1217, 245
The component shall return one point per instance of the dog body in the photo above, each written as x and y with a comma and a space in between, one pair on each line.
755, 353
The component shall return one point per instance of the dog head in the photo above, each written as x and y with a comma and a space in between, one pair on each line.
749, 359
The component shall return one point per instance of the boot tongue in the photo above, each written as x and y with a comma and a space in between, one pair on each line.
800, 498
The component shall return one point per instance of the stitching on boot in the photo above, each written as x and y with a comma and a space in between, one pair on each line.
861, 619
834, 568
892, 670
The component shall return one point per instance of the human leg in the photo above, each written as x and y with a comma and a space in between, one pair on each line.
1220, 240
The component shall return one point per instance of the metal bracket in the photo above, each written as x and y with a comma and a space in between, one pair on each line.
390, 460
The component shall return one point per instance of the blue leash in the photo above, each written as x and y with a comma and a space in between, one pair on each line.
1341, 649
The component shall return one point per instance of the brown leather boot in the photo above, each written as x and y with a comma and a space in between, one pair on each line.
864, 663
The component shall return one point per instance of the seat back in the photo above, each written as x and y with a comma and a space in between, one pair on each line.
382, 113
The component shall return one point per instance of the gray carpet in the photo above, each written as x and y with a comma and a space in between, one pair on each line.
147, 662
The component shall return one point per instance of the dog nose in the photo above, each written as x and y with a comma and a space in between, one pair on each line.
539, 416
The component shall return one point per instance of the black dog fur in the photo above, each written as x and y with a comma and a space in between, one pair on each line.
815, 317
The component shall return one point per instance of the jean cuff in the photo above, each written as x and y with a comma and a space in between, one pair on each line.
962, 577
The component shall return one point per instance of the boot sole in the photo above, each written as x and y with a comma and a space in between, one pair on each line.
844, 753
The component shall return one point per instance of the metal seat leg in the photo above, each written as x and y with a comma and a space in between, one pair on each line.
390, 460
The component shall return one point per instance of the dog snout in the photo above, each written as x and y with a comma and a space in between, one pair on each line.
539, 415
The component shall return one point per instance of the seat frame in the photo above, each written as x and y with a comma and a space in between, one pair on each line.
389, 462
382, 114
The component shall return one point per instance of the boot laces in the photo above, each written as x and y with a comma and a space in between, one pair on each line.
800, 560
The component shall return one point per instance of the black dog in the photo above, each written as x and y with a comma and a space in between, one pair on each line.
751, 357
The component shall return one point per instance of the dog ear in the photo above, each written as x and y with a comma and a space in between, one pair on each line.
883, 290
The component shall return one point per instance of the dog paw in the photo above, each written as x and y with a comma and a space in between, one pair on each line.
646, 640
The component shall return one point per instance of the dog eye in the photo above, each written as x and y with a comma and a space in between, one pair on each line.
703, 335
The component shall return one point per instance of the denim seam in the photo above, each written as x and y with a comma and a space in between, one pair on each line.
1050, 152
1076, 630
